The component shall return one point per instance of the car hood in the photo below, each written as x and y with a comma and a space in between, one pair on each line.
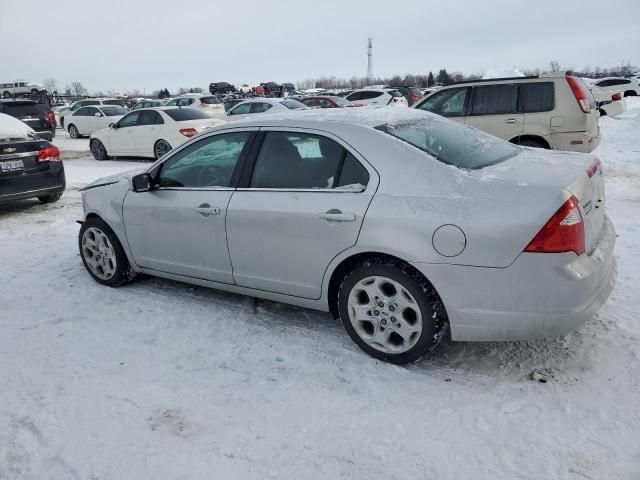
111, 179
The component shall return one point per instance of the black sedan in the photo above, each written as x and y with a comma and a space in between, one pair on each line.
30, 167
36, 115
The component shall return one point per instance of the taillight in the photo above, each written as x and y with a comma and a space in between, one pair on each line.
50, 118
616, 96
580, 94
49, 153
188, 132
564, 232
593, 169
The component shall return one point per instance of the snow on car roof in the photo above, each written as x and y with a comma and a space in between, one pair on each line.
11, 127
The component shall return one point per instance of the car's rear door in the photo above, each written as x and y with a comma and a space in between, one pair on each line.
494, 109
179, 227
147, 131
301, 201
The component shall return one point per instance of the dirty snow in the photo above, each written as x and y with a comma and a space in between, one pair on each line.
162, 380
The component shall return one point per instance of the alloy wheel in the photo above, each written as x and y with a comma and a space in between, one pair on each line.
99, 253
162, 148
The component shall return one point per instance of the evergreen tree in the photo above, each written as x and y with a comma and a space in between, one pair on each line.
430, 80
443, 77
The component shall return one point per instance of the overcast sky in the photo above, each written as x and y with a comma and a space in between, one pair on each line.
152, 44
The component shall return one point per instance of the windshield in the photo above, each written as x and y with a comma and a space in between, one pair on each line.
114, 111
182, 114
293, 104
452, 143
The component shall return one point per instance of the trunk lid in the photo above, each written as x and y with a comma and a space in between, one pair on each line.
560, 170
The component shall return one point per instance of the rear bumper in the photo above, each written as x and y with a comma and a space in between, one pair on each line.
584, 142
538, 296
31, 185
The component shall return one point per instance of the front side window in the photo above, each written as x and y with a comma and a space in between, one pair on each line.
292, 104
241, 109
112, 111
261, 107
172, 103
452, 143
354, 96
81, 112
129, 120
298, 161
91, 111
536, 97
494, 99
207, 163
448, 103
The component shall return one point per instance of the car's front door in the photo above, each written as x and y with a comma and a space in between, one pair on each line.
301, 202
179, 227
122, 138
147, 131
494, 109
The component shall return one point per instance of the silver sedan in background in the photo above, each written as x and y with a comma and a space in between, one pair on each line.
399, 222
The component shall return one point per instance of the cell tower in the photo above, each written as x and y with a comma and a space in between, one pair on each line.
370, 61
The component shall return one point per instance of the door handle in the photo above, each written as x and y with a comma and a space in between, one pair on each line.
335, 215
512, 120
205, 210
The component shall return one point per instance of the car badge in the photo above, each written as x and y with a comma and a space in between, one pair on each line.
9, 150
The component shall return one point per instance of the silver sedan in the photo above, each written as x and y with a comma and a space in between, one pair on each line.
401, 223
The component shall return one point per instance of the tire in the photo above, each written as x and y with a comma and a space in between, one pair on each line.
532, 143
161, 148
423, 317
6, 94
630, 93
54, 197
98, 150
62, 122
102, 254
73, 131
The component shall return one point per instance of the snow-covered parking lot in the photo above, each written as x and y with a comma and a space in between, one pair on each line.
162, 380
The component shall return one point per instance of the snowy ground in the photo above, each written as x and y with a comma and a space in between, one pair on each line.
161, 380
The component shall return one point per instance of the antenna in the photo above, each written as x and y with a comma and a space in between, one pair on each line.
370, 61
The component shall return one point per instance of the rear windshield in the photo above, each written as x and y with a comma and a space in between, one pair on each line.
115, 110
22, 109
395, 93
293, 104
182, 114
452, 143
210, 100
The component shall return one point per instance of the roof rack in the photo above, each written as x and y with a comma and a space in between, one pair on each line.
481, 80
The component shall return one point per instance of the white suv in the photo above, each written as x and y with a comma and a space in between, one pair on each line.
548, 111
210, 104
19, 88
629, 86
378, 97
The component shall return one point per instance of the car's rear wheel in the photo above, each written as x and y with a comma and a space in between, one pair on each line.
54, 197
391, 311
73, 131
97, 150
531, 143
630, 93
102, 254
6, 94
161, 148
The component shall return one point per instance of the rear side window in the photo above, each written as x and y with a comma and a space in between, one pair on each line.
452, 143
150, 117
241, 109
292, 104
114, 110
181, 114
353, 173
370, 95
537, 97
494, 99
260, 107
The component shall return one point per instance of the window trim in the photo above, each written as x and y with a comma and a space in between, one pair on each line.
252, 157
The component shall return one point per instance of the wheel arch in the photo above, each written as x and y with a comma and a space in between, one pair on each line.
347, 264
531, 137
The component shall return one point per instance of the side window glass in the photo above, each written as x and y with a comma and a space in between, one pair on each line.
353, 173
241, 109
494, 99
369, 95
448, 103
354, 96
308, 102
91, 111
537, 97
129, 120
207, 163
81, 112
149, 117
297, 160
324, 103
260, 107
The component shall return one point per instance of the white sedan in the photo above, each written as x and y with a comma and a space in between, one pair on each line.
149, 132
609, 102
264, 105
87, 120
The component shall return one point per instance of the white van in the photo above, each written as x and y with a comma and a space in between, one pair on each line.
554, 111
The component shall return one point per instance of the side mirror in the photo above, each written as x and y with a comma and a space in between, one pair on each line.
113, 125
97, 114
141, 183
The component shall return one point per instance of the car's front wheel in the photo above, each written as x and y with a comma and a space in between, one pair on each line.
391, 311
97, 150
102, 254
54, 197
73, 131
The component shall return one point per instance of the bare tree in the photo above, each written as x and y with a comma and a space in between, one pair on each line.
50, 84
113, 93
554, 65
77, 89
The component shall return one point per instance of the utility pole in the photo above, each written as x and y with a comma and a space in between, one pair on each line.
370, 61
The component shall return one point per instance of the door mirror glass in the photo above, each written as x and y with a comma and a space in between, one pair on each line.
141, 182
